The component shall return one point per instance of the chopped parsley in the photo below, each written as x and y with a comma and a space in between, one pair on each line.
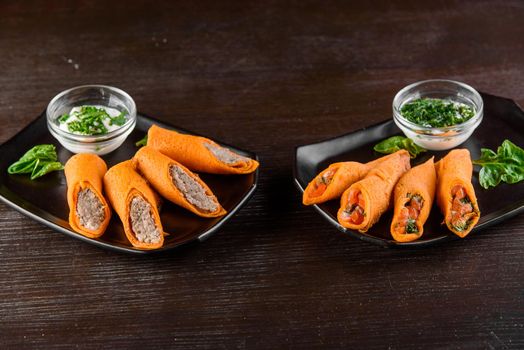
411, 226
416, 197
465, 200
141, 142
436, 112
462, 226
89, 120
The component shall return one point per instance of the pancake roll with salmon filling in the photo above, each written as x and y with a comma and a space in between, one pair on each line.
413, 198
199, 153
455, 193
177, 183
89, 212
365, 201
136, 205
332, 182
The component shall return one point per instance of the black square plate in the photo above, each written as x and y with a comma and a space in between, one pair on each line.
45, 198
503, 119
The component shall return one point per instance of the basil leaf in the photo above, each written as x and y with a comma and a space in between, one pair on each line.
506, 165
38, 161
396, 143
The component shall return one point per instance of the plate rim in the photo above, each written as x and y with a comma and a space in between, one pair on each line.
132, 250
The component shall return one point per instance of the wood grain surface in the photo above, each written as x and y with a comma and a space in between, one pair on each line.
266, 76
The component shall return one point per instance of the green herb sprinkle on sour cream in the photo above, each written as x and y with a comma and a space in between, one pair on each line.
436, 113
92, 120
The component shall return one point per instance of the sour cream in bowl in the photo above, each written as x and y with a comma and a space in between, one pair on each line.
91, 118
438, 114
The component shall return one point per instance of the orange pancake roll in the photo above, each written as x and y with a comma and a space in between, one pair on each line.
89, 213
413, 198
333, 181
365, 201
199, 153
136, 205
455, 194
177, 183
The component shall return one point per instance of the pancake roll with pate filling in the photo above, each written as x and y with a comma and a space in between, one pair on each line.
136, 205
198, 153
364, 202
413, 198
177, 183
89, 212
455, 193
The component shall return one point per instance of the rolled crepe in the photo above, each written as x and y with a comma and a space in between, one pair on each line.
89, 212
413, 199
455, 194
365, 201
333, 181
177, 183
199, 153
136, 205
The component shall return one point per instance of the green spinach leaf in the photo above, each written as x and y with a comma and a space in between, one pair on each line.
396, 143
38, 161
506, 165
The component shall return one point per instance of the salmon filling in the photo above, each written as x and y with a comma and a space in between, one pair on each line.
142, 221
322, 182
354, 212
89, 210
462, 211
407, 222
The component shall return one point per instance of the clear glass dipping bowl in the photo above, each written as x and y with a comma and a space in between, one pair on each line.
438, 139
100, 95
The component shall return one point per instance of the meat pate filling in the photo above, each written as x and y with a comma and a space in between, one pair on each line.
224, 155
193, 191
143, 222
89, 210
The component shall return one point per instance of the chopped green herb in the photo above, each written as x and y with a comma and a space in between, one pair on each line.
465, 200
411, 226
119, 119
142, 142
90, 120
63, 118
416, 197
507, 165
396, 143
436, 112
461, 226
38, 161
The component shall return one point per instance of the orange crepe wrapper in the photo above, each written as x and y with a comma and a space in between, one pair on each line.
122, 182
420, 180
346, 174
376, 188
190, 151
154, 166
455, 169
85, 171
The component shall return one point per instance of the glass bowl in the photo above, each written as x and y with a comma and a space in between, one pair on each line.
442, 138
98, 95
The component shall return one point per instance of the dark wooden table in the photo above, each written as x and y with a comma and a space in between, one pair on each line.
265, 76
